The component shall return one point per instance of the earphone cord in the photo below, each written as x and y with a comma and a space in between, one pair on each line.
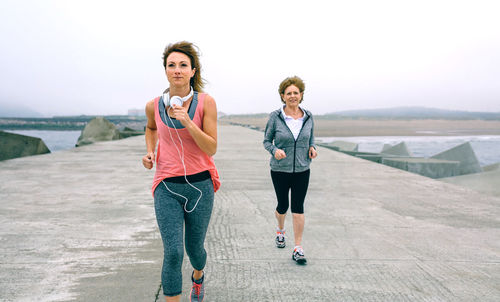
183, 165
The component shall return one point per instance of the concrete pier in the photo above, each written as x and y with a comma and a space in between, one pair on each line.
79, 225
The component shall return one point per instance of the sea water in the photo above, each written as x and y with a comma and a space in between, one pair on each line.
486, 147
55, 140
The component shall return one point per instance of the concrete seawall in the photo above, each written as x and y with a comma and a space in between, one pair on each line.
79, 225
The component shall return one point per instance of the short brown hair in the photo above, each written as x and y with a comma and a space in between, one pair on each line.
296, 81
190, 50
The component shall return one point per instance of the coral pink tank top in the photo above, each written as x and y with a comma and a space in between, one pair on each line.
168, 161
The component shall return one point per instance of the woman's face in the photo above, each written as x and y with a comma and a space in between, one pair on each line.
178, 70
292, 96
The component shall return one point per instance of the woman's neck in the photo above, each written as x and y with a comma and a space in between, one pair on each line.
293, 111
180, 91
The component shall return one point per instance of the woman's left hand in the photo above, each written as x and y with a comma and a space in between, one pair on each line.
312, 153
180, 114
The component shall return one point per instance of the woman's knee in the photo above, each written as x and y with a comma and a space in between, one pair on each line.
197, 257
282, 207
195, 250
297, 209
173, 256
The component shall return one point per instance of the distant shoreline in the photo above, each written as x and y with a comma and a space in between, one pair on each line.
384, 127
69, 123
345, 127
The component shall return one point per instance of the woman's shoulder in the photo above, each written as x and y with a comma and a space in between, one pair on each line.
207, 97
152, 102
275, 113
150, 107
307, 112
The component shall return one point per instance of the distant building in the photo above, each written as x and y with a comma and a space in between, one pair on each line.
136, 112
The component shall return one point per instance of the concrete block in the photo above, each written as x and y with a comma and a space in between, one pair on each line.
341, 145
128, 132
16, 145
465, 155
428, 167
329, 147
377, 158
399, 150
356, 153
385, 147
98, 129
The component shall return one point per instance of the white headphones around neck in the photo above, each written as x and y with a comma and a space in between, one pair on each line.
175, 100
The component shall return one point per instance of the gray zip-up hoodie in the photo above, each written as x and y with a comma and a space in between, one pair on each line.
278, 136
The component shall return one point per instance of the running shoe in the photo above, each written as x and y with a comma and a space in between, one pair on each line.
298, 255
198, 290
280, 239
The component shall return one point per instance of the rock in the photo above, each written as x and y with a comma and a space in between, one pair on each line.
15, 145
97, 130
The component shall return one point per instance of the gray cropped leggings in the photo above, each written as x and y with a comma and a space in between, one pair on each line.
171, 216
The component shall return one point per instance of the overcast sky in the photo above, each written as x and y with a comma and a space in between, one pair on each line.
104, 57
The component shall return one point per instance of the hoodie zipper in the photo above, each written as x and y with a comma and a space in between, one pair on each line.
295, 140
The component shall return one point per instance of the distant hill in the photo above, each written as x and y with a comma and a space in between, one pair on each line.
9, 110
250, 115
391, 113
413, 113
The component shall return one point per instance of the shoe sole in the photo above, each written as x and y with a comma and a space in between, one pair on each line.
280, 246
299, 261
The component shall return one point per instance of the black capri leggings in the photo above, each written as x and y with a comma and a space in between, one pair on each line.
297, 183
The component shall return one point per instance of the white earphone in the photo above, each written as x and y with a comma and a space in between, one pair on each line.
175, 100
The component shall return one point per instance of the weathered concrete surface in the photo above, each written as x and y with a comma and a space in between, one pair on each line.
80, 224
487, 182
14, 145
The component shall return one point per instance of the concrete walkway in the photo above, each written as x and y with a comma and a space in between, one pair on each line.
79, 225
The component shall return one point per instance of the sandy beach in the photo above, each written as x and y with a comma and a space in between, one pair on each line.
384, 127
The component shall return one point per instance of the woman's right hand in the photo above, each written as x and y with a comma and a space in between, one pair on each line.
148, 160
279, 154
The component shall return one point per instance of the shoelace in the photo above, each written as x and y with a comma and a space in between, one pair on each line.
197, 288
299, 251
281, 236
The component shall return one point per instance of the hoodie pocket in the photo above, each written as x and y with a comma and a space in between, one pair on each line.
302, 156
288, 160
